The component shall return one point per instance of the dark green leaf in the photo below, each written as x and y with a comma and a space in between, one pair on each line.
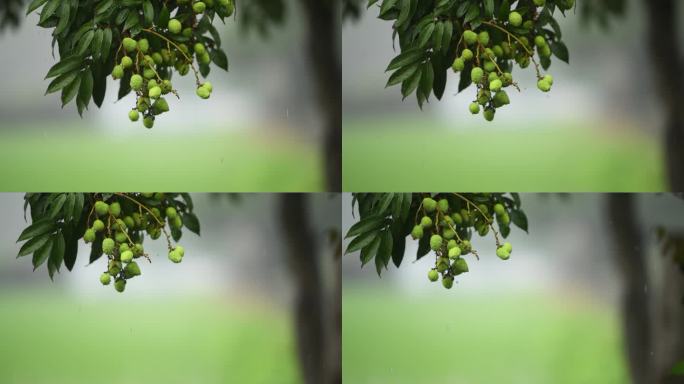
38, 228
33, 244
191, 222
42, 254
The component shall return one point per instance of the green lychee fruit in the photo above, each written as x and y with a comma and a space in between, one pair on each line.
454, 252
101, 208
89, 235
154, 92
448, 233
507, 246
126, 256
136, 82
498, 51
452, 244
120, 285
417, 232
515, 19
492, 76
148, 121
203, 92
143, 45
120, 237
448, 282
433, 275
543, 85
501, 99
474, 108
166, 86
208, 86
495, 85
148, 73
114, 267
157, 58
133, 115
123, 248
132, 269
505, 219
460, 266
502, 253
198, 7
548, 79
539, 41
429, 204
105, 279
129, 44
126, 62
171, 212
180, 250
442, 264
115, 209
98, 225
160, 106
443, 205
483, 38
457, 218
458, 65
130, 223
499, 209
539, 3
436, 242
117, 72
489, 66
175, 26
199, 48
476, 74
108, 246
175, 256
489, 114
467, 54
470, 37
187, 32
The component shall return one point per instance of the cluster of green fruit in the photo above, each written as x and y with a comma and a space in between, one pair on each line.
147, 63
487, 55
448, 229
117, 229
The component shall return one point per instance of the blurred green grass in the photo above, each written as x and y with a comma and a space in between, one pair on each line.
409, 155
52, 157
52, 339
445, 338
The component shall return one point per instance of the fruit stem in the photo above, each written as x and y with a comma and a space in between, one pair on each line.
531, 54
163, 227
490, 221
192, 65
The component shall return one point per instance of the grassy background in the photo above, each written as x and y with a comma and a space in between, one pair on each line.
52, 157
506, 338
410, 155
60, 340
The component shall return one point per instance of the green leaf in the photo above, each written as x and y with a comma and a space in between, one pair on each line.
489, 8
402, 74
56, 254
61, 82
84, 42
369, 251
560, 51
191, 222
48, 10
70, 247
42, 254
164, 15
70, 91
33, 244
57, 205
220, 59
35, 4
64, 66
361, 241
96, 44
64, 11
405, 58
148, 12
368, 223
86, 87
38, 228
519, 218
384, 251
106, 44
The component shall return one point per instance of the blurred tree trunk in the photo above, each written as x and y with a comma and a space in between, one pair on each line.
315, 345
669, 71
323, 21
627, 247
653, 321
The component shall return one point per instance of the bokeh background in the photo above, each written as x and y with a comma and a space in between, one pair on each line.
550, 314
259, 131
223, 315
598, 130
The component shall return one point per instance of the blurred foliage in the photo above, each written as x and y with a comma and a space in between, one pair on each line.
602, 11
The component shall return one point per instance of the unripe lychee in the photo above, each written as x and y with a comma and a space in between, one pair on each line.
138, 249
448, 234
171, 212
474, 108
417, 232
160, 106
507, 246
132, 269
539, 3
157, 58
515, 19
203, 92
148, 121
467, 54
483, 38
175, 256
502, 253
115, 209
187, 32
460, 266
208, 86
498, 51
443, 205
429, 204
136, 82
457, 218
495, 85
505, 219
176, 222
426, 222
108, 246
436, 242
126, 256
549, 79
493, 76
501, 99
133, 115
180, 250
123, 248
199, 48
154, 92
143, 104
89, 235
166, 86
129, 44
442, 264
117, 72
143, 45
98, 225
448, 282
198, 7
543, 85
454, 252
489, 114
148, 73
458, 65
114, 267
499, 209
120, 285
433, 275
489, 66
539, 41
204, 58
105, 279
476, 74
101, 208
452, 244
175, 26
120, 237
130, 223
470, 37
126, 62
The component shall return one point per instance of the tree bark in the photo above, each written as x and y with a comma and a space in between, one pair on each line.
323, 23
315, 346
631, 262
668, 69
